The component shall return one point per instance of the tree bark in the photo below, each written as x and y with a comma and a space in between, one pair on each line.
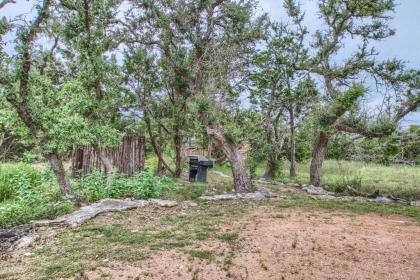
178, 154
242, 182
318, 156
292, 144
210, 147
57, 166
271, 168
277, 141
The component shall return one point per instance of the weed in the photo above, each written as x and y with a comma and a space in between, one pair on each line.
228, 237
204, 255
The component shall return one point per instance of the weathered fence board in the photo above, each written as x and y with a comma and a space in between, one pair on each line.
128, 158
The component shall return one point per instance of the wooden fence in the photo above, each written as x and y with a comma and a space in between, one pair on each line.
128, 158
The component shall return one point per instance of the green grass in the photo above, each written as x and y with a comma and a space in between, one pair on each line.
398, 180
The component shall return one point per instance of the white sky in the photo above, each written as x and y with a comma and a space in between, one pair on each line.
404, 45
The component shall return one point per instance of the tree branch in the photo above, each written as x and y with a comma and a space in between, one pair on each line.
27, 62
5, 2
364, 132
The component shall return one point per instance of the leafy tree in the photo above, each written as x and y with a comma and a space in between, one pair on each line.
41, 106
89, 33
365, 21
282, 90
204, 43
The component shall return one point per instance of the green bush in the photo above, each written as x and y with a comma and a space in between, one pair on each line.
29, 194
28, 157
17, 177
143, 185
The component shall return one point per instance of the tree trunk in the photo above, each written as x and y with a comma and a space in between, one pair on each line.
292, 144
242, 182
318, 155
162, 165
271, 168
57, 166
178, 154
277, 141
209, 147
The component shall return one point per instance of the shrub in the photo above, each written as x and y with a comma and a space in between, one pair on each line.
29, 194
143, 185
90, 187
17, 177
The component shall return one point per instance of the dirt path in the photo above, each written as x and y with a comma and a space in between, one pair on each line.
229, 241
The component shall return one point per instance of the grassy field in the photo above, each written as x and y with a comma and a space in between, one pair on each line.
28, 192
398, 180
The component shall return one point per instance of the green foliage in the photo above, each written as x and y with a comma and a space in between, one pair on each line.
29, 157
143, 185
15, 178
29, 194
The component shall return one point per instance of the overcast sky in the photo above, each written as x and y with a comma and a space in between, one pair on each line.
404, 45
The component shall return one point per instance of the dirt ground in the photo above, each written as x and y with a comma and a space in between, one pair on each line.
296, 244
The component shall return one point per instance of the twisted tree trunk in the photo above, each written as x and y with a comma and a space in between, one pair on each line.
318, 156
242, 182
57, 167
178, 154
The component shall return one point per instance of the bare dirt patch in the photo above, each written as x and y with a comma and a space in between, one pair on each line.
271, 243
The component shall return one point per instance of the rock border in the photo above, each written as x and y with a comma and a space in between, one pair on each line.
321, 193
260, 194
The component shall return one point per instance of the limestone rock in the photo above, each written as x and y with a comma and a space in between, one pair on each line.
415, 203
316, 190
23, 242
105, 205
258, 195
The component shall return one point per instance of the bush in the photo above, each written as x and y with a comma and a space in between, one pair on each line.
29, 194
17, 177
143, 185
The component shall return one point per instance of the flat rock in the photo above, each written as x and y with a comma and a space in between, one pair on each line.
105, 205
316, 190
382, 199
23, 242
188, 204
415, 203
163, 203
258, 195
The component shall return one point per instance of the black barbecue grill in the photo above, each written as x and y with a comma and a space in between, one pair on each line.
198, 168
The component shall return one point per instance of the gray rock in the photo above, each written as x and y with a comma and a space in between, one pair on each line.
415, 203
258, 195
316, 190
163, 203
188, 204
23, 242
326, 197
382, 199
105, 205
